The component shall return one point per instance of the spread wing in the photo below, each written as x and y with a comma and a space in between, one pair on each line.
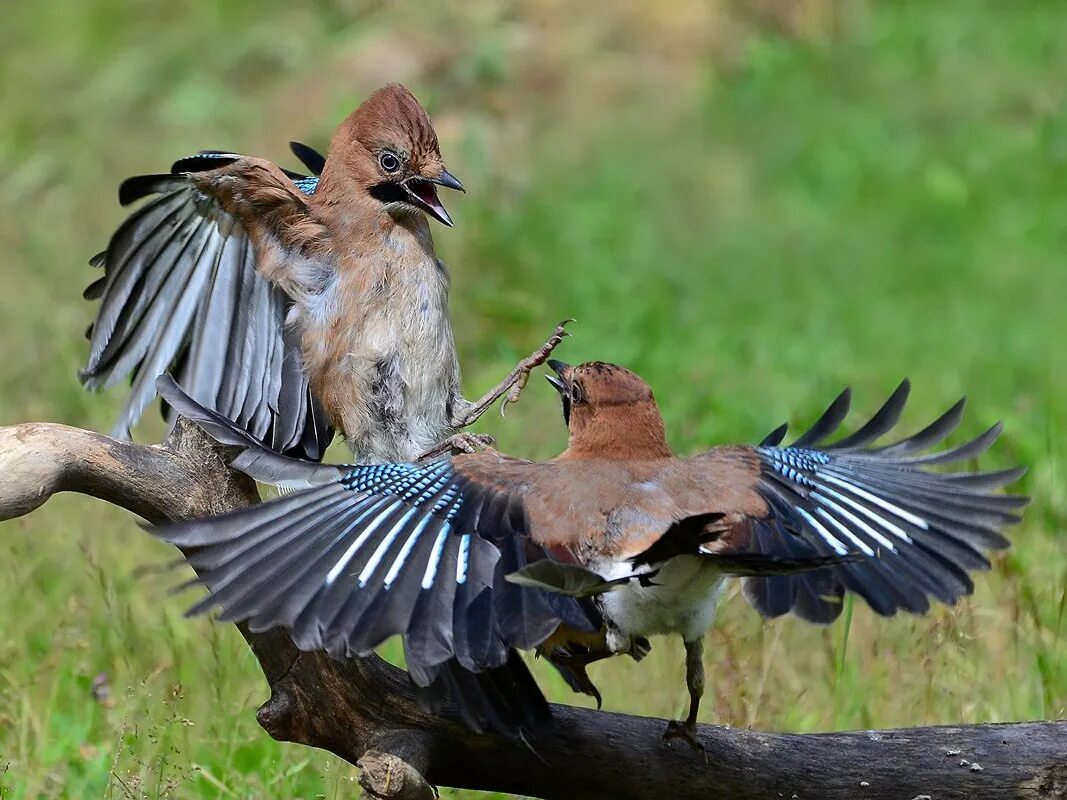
181, 292
902, 532
419, 551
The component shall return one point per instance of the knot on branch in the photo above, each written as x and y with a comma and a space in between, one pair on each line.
385, 776
276, 715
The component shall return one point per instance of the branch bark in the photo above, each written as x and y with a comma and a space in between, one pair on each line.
364, 711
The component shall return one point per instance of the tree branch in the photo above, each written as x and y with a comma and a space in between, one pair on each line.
363, 710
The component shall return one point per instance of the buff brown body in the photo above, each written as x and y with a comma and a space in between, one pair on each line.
368, 297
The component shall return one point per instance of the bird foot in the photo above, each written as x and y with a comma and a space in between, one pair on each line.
459, 443
579, 681
532, 362
639, 648
680, 729
572, 668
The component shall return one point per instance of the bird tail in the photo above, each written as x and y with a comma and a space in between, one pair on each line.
504, 699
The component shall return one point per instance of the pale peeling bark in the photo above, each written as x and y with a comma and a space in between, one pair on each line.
363, 710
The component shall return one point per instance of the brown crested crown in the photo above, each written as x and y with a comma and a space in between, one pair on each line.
392, 117
606, 384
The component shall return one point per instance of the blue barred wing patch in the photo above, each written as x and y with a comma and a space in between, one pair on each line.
918, 531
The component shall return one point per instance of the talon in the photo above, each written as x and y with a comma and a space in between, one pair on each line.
516, 389
639, 648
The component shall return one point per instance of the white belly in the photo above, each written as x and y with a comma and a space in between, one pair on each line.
683, 601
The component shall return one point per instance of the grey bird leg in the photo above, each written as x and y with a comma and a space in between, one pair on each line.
466, 412
694, 680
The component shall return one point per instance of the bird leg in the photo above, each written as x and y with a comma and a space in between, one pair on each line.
467, 412
458, 443
694, 680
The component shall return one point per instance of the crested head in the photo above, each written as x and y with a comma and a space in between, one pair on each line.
392, 118
610, 411
387, 149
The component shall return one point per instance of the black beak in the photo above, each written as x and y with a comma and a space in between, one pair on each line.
560, 383
449, 181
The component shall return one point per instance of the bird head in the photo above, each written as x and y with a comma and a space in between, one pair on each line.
387, 148
610, 412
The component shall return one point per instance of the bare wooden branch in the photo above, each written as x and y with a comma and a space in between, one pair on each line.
364, 711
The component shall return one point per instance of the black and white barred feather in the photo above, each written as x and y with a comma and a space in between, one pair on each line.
920, 531
374, 551
180, 293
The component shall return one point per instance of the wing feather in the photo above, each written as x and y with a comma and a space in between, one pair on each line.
181, 292
903, 533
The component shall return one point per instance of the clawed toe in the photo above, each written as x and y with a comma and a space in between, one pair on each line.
536, 359
679, 729
639, 648
459, 443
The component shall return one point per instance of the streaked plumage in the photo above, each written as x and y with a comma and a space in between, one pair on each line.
585, 556
294, 304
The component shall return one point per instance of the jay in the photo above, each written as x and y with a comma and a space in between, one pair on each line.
472, 558
296, 304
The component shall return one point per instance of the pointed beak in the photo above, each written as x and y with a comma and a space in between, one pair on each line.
561, 369
449, 181
423, 195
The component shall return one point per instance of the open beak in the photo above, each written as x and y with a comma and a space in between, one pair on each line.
423, 194
562, 385
561, 369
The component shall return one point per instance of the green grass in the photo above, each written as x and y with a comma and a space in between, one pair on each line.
752, 210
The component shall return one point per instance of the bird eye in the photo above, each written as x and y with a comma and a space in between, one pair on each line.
389, 162
577, 395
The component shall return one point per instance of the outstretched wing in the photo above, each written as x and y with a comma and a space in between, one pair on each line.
181, 292
903, 532
395, 549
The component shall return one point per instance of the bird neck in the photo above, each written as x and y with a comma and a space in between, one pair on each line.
632, 432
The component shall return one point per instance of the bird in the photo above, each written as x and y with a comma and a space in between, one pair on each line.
297, 304
474, 557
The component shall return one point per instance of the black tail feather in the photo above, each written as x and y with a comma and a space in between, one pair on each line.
504, 700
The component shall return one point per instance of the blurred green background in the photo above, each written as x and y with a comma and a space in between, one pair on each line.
751, 203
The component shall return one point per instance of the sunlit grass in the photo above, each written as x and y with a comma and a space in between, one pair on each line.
752, 210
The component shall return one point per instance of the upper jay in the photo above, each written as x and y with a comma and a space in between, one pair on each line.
295, 304
473, 557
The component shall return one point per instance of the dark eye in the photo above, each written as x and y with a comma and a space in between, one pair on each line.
389, 162
577, 395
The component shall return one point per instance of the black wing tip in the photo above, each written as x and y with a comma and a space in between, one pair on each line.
204, 161
90, 379
95, 290
139, 186
775, 437
828, 421
309, 157
900, 395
